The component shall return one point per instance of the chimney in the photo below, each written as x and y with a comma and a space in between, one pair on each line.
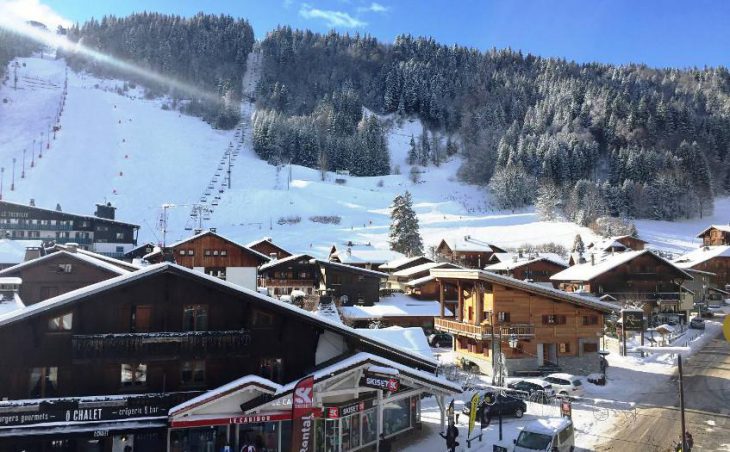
72, 247
273, 256
593, 259
105, 211
32, 252
197, 231
213, 230
58, 207
32, 202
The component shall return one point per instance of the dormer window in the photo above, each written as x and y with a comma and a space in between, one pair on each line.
62, 323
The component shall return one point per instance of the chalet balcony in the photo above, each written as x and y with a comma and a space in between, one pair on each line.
483, 331
159, 345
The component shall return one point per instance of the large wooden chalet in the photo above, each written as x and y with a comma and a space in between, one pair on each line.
715, 235
62, 271
639, 278
466, 251
712, 259
550, 327
267, 247
215, 255
536, 267
167, 358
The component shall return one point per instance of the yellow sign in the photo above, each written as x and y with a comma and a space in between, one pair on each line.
726, 328
474, 405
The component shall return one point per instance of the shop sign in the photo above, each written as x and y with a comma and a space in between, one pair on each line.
386, 383
303, 415
334, 412
78, 410
632, 320
566, 409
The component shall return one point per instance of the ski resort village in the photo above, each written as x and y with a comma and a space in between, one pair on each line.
219, 240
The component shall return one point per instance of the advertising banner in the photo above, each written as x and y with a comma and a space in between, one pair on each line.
303, 415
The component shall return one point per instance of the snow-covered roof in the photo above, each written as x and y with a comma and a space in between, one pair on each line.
396, 263
469, 243
719, 227
548, 426
412, 338
700, 255
294, 257
535, 288
58, 212
102, 264
266, 240
10, 303
419, 281
215, 234
328, 310
589, 271
263, 384
351, 268
510, 261
71, 297
365, 254
406, 272
13, 251
396, 305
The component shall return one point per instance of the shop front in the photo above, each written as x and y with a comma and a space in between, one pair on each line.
353, 406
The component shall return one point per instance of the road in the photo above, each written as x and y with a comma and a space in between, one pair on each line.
656, 426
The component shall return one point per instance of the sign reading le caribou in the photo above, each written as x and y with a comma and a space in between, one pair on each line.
303, 415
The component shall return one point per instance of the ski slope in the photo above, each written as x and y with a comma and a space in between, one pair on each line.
127, 150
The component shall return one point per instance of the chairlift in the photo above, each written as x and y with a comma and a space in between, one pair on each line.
220, 190
206, 218
203, 199
215, 202
188, 228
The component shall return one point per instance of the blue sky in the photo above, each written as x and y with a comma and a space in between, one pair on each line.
655, 32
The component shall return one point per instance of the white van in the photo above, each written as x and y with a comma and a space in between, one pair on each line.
547, 435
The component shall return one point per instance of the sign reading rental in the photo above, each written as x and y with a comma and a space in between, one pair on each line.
303, 415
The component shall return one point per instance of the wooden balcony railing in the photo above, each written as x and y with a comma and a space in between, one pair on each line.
483, 331
158, 345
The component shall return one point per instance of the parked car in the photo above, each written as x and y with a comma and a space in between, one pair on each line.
506, 404
697, 323
534, 389
548, 435
439, 340
565, 384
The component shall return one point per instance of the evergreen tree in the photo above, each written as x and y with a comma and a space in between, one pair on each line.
425, 149
404, 234
578, 246
412, 152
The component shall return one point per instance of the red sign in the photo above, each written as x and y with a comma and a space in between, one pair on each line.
566, 409
334, 412
390, 384
303, 415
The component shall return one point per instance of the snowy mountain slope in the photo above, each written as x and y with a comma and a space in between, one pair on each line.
129, 151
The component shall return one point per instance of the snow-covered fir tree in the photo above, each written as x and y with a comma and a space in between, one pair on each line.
578, 246
404, 234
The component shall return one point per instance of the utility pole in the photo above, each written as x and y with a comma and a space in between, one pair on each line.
40, 149
12, 183
22, 172
2, 174
229, 169
32, 155
681, 402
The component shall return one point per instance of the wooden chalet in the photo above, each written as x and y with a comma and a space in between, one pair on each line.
362, 255
535, 267
99, 368
712, 259
715, 235
217, 256
617, 244
140, 251
632, 277
309, 276
466, 252
63, 271
548, 327
267, 247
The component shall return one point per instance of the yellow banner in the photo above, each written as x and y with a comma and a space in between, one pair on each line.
474, 404
726, 328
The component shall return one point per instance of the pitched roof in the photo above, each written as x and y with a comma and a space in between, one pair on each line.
110, 260
268, 241
396, 263
88, 217
510, 261
469, 243
74, 296
363, 254
701, 255
589, 271
396, 305
534, 288
406, 272
76, 256
294, 257
719, 227
263, 384
350, 268
261, 256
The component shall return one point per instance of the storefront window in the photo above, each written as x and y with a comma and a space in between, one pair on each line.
369, 426
209, 439
263, 436
396, 416
351, 432
332, 435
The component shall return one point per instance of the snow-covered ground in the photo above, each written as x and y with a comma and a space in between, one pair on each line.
127, 150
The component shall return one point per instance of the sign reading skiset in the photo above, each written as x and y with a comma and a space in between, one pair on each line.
303, 415
386, 383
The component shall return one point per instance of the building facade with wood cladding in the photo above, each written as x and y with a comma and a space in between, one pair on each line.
536, 267
100, 233
548, 327
466, 251
215, 255
712, 259
639, 278
101, 366
267, 247
715, 235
